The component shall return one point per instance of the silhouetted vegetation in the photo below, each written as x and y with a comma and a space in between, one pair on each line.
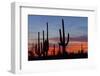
62, 42
39, 50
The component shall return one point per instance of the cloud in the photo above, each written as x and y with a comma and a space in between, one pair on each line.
79, 38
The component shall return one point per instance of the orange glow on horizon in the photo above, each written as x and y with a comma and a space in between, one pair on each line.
73, 47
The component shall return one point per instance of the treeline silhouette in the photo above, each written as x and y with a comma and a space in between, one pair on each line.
39, 50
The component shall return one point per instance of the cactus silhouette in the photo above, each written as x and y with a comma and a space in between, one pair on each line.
38, 46
42, 48
39, 50
45, 43
62, 38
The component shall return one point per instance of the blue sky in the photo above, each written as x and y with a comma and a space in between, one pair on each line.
75, 26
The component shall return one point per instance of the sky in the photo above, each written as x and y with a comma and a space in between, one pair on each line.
76, 26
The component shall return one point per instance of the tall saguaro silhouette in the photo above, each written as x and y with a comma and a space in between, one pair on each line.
47, 41
63, 42
39, 51
43, 51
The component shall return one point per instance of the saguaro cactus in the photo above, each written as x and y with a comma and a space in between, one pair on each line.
62, 38
38, 50
47, 39
45, 44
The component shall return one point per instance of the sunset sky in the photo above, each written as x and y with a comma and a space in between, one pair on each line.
75, 26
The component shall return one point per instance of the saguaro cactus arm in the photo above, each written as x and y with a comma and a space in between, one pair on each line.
67, 40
